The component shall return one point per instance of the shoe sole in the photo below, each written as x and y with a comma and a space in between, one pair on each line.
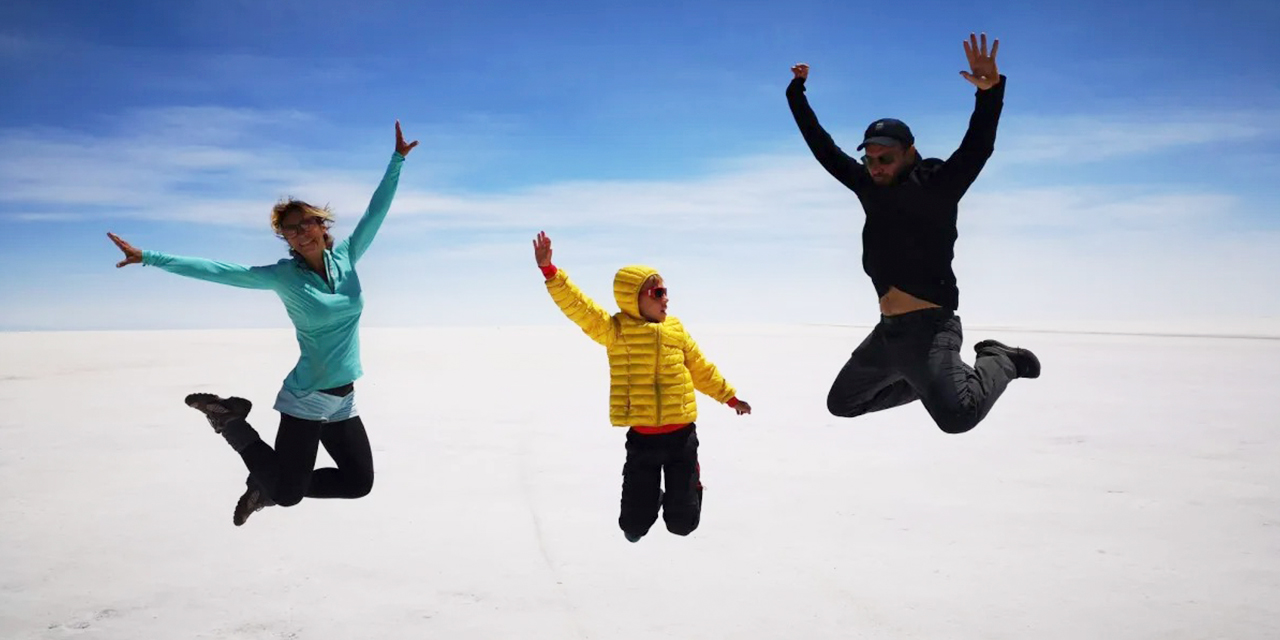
208, 403
242, 512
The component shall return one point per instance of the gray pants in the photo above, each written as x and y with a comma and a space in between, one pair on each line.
916, 356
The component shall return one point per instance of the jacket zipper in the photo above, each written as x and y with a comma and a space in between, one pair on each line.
657, 371
328, 275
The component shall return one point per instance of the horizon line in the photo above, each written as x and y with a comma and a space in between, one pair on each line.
741, 325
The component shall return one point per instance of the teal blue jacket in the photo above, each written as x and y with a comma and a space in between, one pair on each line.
326, 316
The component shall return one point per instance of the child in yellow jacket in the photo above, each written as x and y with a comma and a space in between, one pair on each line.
655, 367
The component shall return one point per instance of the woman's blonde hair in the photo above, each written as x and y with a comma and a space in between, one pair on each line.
290, 205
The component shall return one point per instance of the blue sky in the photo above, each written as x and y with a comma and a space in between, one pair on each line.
1134, 178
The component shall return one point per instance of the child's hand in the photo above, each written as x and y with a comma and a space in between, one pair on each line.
542, 249
742, 407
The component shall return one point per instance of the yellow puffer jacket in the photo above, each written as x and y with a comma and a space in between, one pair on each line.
654, 367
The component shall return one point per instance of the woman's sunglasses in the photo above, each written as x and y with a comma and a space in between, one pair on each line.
657, 293
306, 224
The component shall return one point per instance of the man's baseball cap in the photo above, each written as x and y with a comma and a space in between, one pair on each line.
888, 132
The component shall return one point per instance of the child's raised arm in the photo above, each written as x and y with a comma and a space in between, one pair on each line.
582, 310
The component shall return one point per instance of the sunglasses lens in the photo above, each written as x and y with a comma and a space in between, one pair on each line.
306, 224
878, 160
659, 292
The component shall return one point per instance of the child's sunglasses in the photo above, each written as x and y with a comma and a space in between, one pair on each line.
657, 293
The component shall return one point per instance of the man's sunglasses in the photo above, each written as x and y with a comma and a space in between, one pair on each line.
883, 159
657, 293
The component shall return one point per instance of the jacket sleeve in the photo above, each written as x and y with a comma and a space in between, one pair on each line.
848, 171
706, 377
235, 275
362, 236
582, 310
960, 170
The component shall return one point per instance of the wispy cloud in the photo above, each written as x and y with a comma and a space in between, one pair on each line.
13, 45
181, 71
197, 165
212, 166
1096, 138
1114, 208
769, 222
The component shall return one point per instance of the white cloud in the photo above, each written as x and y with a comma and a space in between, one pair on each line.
1092, 209
148, 169
208, 165
13, 45
766, 238
1093, 138
1028, 143
184, 163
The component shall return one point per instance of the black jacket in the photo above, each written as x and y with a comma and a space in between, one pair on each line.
909, 236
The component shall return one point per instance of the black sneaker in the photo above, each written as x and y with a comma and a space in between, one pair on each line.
253, 500
1025, 362
219, 411
632, 537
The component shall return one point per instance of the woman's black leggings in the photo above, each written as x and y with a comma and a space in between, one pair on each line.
287, 473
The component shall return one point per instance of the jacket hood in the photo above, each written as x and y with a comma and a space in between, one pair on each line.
626, 287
